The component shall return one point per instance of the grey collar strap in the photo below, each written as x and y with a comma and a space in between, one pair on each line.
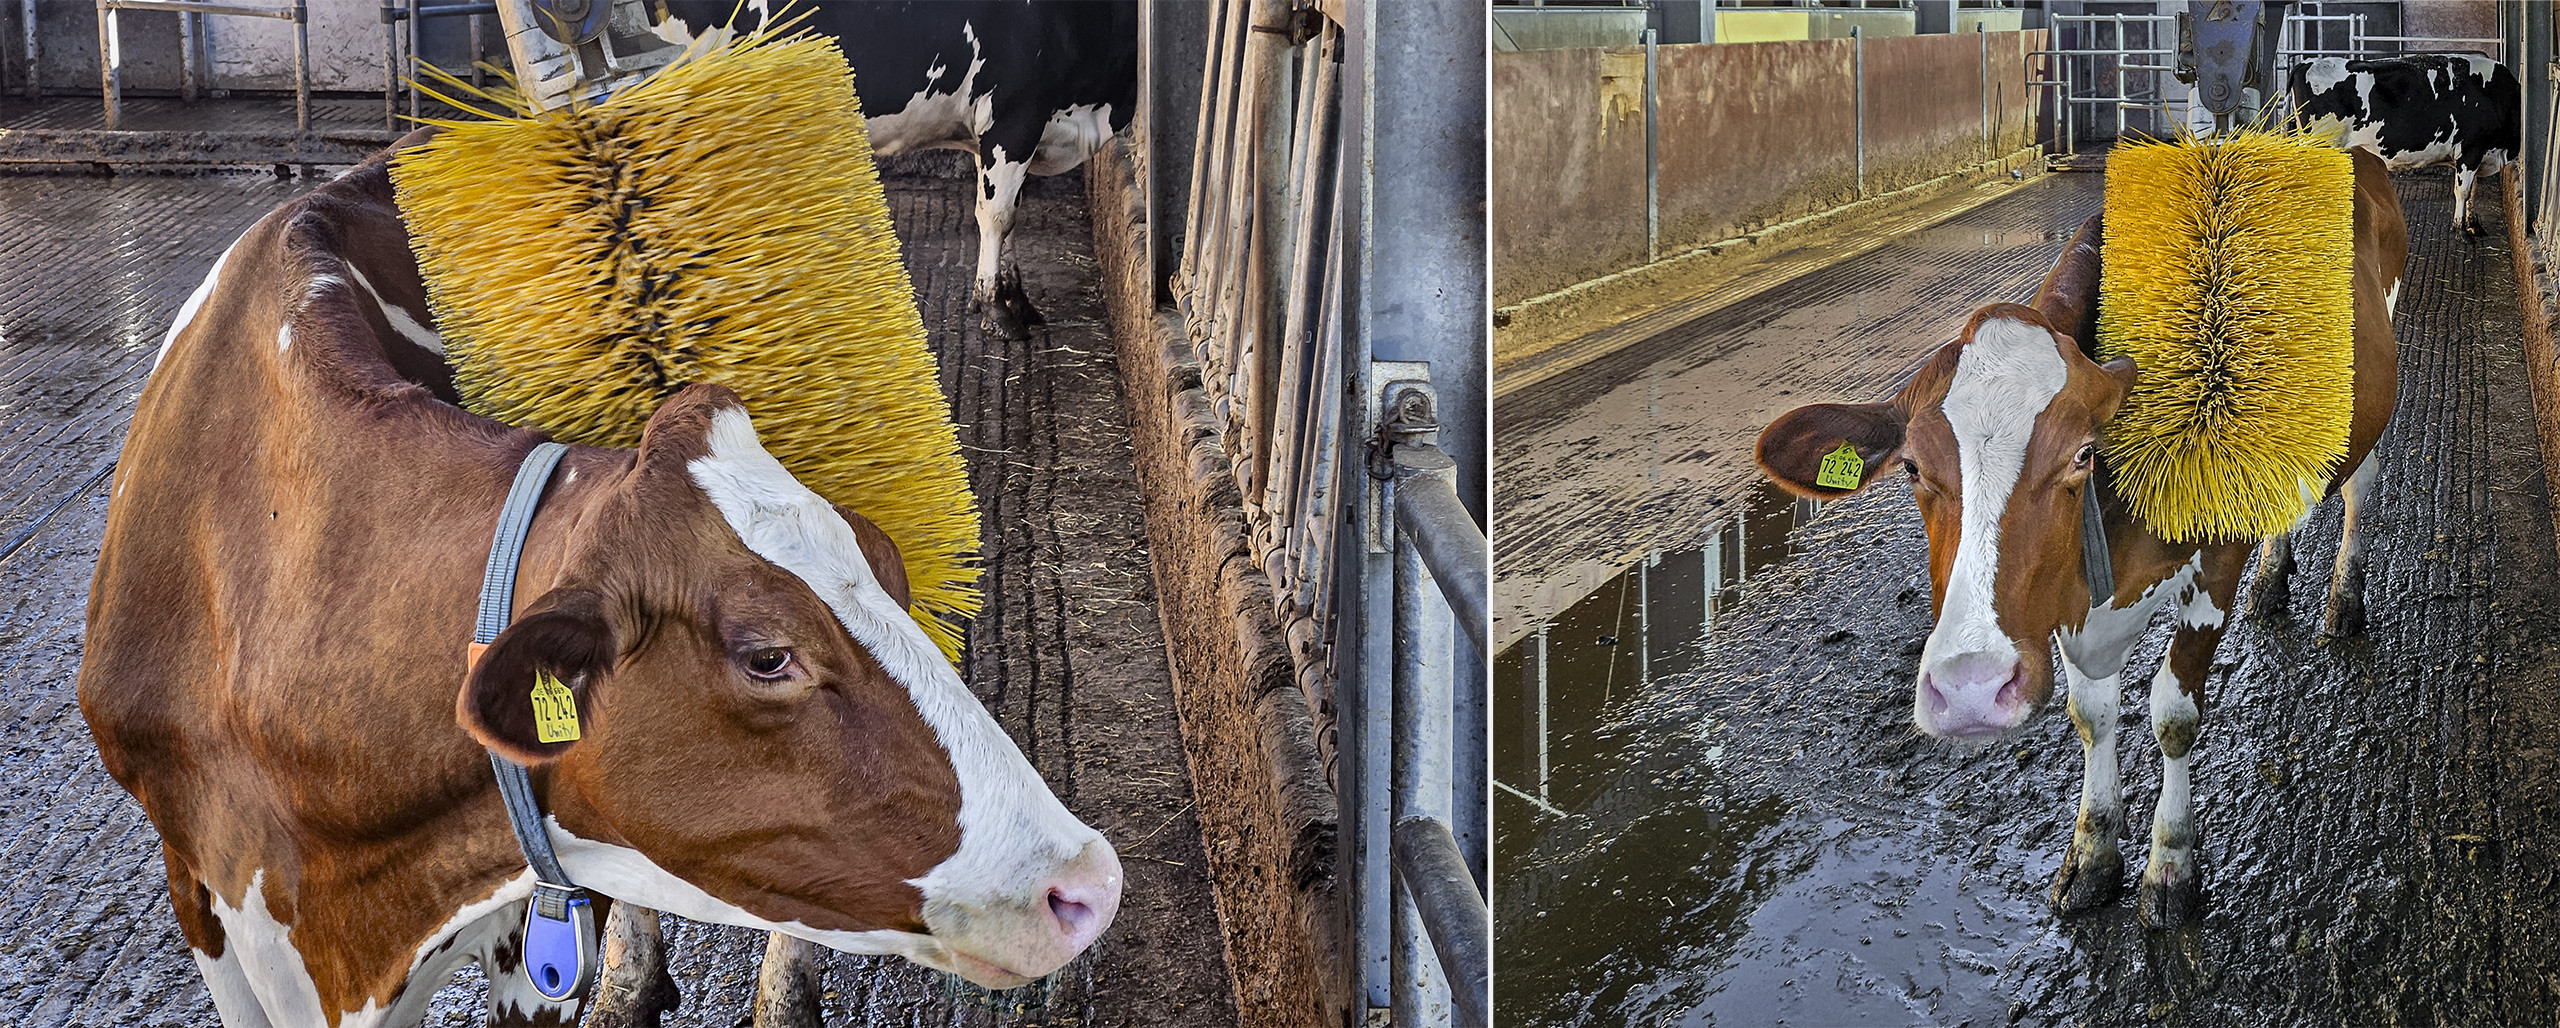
2097, 563
560, 938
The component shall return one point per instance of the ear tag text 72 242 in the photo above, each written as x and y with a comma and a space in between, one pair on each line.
555, 709
1841, 469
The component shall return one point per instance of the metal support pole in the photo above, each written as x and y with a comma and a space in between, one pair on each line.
302, 65
188, 66
2119, 70
1424, 748
1983, 30
35, 50
110, 62
1440, 529
1652, 156
390, 64
1858, 66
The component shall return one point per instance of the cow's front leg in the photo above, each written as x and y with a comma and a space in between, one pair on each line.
2093, 872
2465, 216
787, 988
2346, 584
2273, 588
633, 989
1004, 310
2172, 890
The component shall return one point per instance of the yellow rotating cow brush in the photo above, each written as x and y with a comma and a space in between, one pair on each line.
720, 222
2228, 277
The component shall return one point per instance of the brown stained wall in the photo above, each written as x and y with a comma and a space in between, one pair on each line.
1568, 167
1750, 135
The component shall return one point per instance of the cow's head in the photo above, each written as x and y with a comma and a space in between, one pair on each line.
1997, 434
767, 738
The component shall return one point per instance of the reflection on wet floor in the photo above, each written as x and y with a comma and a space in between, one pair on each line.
1651, 622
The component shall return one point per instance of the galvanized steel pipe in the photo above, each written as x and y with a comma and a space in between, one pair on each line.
1444, 894
1437, 526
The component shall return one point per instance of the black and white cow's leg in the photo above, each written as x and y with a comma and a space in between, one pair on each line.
787, 989
2093, 871
2272, 589
633, 989
2466, 215
2172, 889
2346, 584
1004, 310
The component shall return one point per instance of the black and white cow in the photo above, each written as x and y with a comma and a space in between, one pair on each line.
2420, 111
1029, 86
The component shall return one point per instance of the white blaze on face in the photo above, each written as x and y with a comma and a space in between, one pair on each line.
1015, 837
2004, 378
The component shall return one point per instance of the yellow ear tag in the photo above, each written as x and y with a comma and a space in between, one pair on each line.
555, 710
1841, 469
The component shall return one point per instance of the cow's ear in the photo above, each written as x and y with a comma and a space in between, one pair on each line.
1830, 450
882, 553
526, 697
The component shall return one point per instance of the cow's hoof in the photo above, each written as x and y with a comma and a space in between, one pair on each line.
787, 987
644, 1008
2169, 898
2345, 618
2268, 597
2089, 879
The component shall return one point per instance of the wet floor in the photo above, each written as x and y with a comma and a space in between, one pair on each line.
1756, 834
1639, 451
1067, 653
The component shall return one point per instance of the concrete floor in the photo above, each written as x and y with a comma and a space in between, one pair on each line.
1755, 833
91, 270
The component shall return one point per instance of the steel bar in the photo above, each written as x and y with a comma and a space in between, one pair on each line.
1652, 158
390, 64
35, 50
1434, 873
479, 49
1543, 765
302, 65
188, 68
1858, 66
1438, 525
1213, 80
198, 7
110, 58
1424, 750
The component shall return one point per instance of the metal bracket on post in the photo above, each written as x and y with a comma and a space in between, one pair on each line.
1400, 405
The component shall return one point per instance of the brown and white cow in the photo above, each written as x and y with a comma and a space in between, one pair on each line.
275, 668
1998, 434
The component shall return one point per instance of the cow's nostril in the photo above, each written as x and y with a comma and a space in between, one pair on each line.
1075, 919
1937, 699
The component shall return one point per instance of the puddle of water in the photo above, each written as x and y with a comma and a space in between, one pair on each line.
1558, 686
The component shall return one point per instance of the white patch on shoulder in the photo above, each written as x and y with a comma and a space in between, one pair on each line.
2107, 636
398, 317
1013, 830
2006, 376
2325, 74
195, 302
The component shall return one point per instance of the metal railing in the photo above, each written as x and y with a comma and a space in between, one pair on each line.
1336, 315
191, 44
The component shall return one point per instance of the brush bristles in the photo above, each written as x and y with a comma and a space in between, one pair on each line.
2229, 278
721, 222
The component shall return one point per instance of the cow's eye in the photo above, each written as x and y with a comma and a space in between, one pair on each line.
2087, 451
1911, 469
770, 662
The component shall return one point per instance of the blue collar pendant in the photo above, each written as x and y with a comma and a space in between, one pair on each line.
560, 942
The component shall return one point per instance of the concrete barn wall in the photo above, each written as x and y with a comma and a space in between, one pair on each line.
247, 53
1750, 135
